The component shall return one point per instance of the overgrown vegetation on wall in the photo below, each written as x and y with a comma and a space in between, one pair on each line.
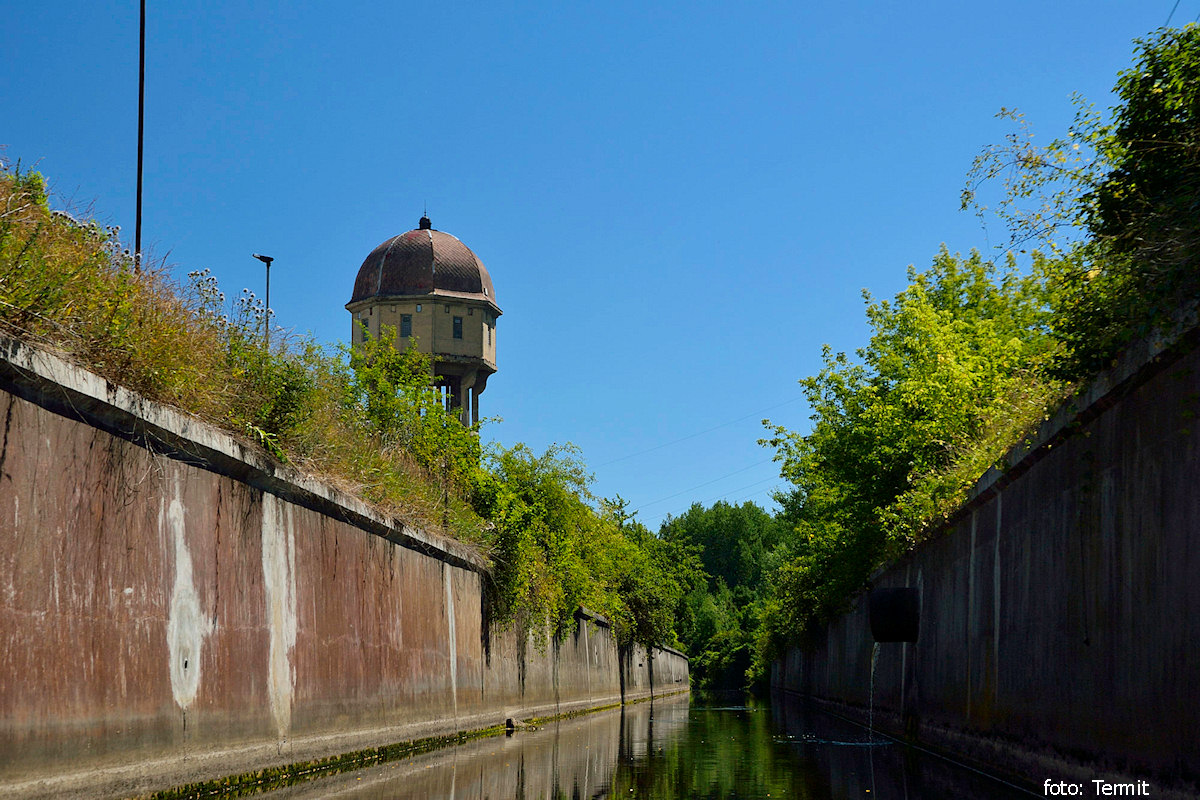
1114, 201
557, 549
953, 376
69, 286
970, 357
365, 419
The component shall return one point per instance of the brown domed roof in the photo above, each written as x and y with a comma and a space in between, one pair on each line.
423, 261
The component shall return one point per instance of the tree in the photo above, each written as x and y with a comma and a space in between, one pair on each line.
950, 359
1146, 206
717, 613
553, 551
732, 541
388, 391
1129, 188
1144, 214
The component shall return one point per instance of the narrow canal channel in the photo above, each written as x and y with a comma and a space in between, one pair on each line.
708, 747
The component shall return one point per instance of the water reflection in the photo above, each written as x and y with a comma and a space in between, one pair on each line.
710, 748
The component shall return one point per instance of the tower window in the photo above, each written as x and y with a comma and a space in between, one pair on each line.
470, 312
418, 308
406, 324
447, 309
458, 327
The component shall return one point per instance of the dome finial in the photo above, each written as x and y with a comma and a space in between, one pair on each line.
425, 224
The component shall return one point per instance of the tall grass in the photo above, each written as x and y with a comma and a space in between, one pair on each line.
70, 286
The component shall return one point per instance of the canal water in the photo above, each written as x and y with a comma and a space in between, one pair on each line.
702, 747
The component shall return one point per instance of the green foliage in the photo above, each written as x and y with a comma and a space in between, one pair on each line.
717, 615
1145, 206
541, 522
553, 551
732, 540
389, 393
1141, 263
1128, 188
651, 576
951, 375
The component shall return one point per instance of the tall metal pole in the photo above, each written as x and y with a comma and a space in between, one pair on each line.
267, 311
137, 244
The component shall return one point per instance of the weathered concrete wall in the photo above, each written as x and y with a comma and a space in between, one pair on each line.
654, 671
174, 607
1060, 610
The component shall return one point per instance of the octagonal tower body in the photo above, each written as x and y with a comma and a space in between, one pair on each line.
432, 289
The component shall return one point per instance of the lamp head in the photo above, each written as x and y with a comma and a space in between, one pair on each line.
265, 259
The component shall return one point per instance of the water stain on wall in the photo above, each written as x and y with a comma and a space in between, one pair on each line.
279, 575
187, 626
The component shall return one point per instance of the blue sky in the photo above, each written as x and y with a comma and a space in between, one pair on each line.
678, 203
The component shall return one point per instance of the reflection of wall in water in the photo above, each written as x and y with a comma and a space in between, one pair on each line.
559, 759
840, 760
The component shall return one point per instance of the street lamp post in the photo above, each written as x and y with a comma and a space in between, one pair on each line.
267, 315
137, 244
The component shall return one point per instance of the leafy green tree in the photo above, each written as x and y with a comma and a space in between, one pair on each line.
535, 505
952, 357
716, 616
554, 551
1145, 207
1144, 213
388, 391
651, 577
732, 540
1128, 188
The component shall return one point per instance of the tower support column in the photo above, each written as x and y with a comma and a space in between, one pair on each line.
464, 396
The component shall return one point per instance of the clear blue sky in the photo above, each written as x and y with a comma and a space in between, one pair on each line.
679, 204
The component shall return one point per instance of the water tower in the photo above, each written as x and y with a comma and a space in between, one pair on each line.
432, 289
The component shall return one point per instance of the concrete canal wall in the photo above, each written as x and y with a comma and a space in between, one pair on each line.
175, 607
1060, 610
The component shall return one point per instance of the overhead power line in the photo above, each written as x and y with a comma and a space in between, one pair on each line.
709, 483
743, 488
700, 433
743, 498
1173, 8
